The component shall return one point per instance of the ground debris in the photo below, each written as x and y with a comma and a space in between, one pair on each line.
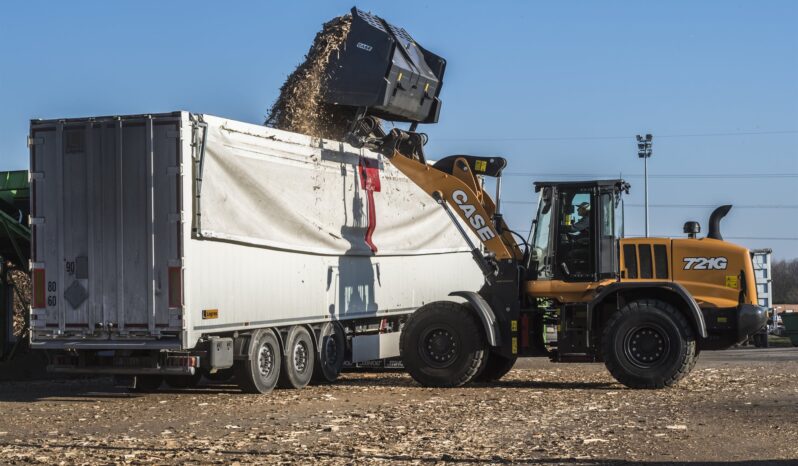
539, 413
20, 281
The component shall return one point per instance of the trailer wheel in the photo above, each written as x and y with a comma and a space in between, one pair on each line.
184, 381
330, 353
299, 358
148, 383
260, 371
441, 345
648, 344
497, 367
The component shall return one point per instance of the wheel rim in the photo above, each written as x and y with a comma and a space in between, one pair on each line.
300, 356
265, 360
438, 346
646, 345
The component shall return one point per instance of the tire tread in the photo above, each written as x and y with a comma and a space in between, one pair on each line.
687, 363
445, 307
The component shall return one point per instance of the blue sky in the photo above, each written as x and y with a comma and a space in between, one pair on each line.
558, 88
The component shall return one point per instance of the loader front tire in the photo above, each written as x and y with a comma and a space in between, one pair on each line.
261, 370
442, 346
648, 344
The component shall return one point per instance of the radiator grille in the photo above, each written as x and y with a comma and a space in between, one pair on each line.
661, 261
630, 260
646, 270
653, 261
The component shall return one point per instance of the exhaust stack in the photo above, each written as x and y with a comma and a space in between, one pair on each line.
714, 221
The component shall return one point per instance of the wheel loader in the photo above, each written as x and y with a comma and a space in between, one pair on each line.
574, 290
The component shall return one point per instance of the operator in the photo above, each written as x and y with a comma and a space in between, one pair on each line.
584, 222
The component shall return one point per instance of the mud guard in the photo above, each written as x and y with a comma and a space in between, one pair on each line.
696, 316
483, 310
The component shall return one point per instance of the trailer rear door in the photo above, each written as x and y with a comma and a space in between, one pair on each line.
106, 215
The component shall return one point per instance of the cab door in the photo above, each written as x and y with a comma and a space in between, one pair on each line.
575, 244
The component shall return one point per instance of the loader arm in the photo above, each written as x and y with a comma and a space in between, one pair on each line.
455, 186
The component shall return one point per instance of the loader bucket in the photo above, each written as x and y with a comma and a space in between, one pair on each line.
381, 68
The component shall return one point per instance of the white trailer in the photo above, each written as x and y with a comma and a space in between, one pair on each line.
185, 244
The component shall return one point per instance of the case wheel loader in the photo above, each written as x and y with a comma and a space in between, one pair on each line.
645, 307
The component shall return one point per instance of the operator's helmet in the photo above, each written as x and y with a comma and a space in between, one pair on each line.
583, 208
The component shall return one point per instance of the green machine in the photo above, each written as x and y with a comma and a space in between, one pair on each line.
14, 251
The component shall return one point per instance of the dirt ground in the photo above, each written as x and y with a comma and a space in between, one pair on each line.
737, 407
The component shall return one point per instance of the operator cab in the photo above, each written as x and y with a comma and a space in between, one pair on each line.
574, 235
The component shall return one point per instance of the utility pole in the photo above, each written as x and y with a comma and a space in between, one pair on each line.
644, 152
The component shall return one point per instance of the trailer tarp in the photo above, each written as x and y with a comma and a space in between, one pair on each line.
276, 189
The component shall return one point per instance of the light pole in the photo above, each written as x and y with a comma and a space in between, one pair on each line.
644, 152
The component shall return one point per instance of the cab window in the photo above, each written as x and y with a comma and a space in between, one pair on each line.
540, 262
574, 235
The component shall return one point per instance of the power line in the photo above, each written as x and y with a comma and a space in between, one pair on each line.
706, 206
764, 238
590, 138
694, 206
673, 176
761, 238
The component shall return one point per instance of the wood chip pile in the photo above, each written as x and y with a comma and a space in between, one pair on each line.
300, 107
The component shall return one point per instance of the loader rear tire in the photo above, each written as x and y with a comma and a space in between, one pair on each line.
497, 367
442, 346
297, 368
330, 353
648, 344
261, 370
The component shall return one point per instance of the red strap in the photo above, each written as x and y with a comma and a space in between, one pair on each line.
370, 182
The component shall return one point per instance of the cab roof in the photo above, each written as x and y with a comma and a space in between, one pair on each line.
617, 184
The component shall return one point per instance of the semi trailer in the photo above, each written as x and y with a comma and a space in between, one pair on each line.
175, 245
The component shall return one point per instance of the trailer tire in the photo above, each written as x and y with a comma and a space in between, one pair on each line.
148, 383
297, 368
184, 381
442, 345
330, 353
261, 370
648, 344
497, 366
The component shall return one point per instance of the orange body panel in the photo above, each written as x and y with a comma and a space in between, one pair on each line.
565, 292
714, 272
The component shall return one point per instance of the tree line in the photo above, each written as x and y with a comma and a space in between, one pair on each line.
785, 281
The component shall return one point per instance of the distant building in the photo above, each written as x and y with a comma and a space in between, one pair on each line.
761, 259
